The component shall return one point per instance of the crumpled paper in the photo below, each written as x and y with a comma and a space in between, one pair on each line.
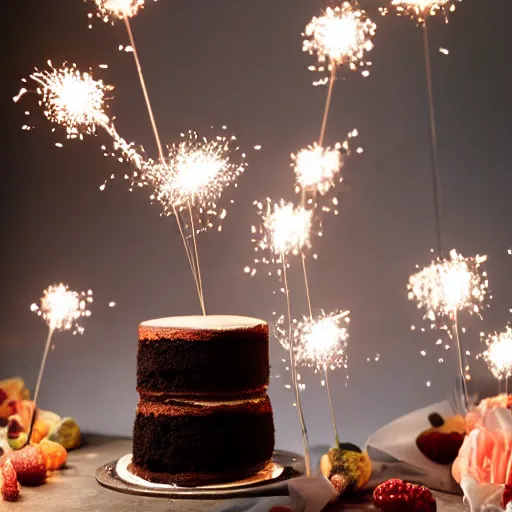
398, 440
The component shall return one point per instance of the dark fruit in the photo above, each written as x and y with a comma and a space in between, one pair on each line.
436, 420
439, 447
399, 496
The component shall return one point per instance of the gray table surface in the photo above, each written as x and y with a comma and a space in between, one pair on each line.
75, 489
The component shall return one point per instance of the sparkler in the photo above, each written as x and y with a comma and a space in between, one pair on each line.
193, 176
125, 9
110, 10
76, 101
341, 36
421, 10
322, 343
62, 309
286, 230
447, 287
498, 355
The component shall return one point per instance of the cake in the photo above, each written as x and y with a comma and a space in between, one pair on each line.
204, 416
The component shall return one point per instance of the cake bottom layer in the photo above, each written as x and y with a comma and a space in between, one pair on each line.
186, 442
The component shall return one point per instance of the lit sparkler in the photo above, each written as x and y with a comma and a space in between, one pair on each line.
341, 36
322, 343
110, 10
422, 9
197, 171
450, 285
76, 101
447, 287
72, 99
61, 309
498, 355
286, 228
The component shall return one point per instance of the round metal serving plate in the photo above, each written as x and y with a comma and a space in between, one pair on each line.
293, 466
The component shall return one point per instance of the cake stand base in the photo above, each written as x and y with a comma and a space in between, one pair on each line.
271, 482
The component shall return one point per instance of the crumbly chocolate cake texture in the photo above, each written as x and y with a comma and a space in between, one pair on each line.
204, 416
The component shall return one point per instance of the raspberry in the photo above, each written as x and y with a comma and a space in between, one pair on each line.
339, 482
399, 496
29, 465
507, 495
9, 483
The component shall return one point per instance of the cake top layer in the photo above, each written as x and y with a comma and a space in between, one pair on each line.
196, 325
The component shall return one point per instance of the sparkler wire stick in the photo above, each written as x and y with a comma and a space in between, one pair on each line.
307, 460
196, 255
327, 105
461, 363
161, 153
40, 378
332, 409
433, 145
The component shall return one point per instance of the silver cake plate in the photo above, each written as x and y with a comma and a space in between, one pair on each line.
272, 481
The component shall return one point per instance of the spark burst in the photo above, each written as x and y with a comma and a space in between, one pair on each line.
322, 342
110, 10
447, 286
498, 355
196, 172
71, 98
286, 229
341, 36
62, 309
422, 9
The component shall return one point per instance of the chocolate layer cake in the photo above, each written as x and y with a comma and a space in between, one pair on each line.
204, 416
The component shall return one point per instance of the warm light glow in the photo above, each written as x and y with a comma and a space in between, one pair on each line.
341, 36
112, 9
316, 167
62, 308
422, 9
72, 99
450, 285
322, 342
288, 228
196, 172
499, 354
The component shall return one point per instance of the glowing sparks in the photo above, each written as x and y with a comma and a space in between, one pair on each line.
316, 167
498, 355
71, 98
422, 9
62, 309
450, 285
196, 172
341, 36
322, 342
287, 228
109, 10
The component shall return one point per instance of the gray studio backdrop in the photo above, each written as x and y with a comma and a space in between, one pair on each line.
239, 63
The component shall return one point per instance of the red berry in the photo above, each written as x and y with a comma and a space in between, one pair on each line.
280, 508
29, 465
9, 483
507, 495
396, 495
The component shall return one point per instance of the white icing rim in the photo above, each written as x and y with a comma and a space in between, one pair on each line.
212, 322
125, 474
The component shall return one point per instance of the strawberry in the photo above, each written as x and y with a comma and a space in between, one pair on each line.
9, 486
440, 447
29, 465
399, 496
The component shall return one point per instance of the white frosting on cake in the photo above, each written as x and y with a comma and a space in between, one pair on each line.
210, 322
